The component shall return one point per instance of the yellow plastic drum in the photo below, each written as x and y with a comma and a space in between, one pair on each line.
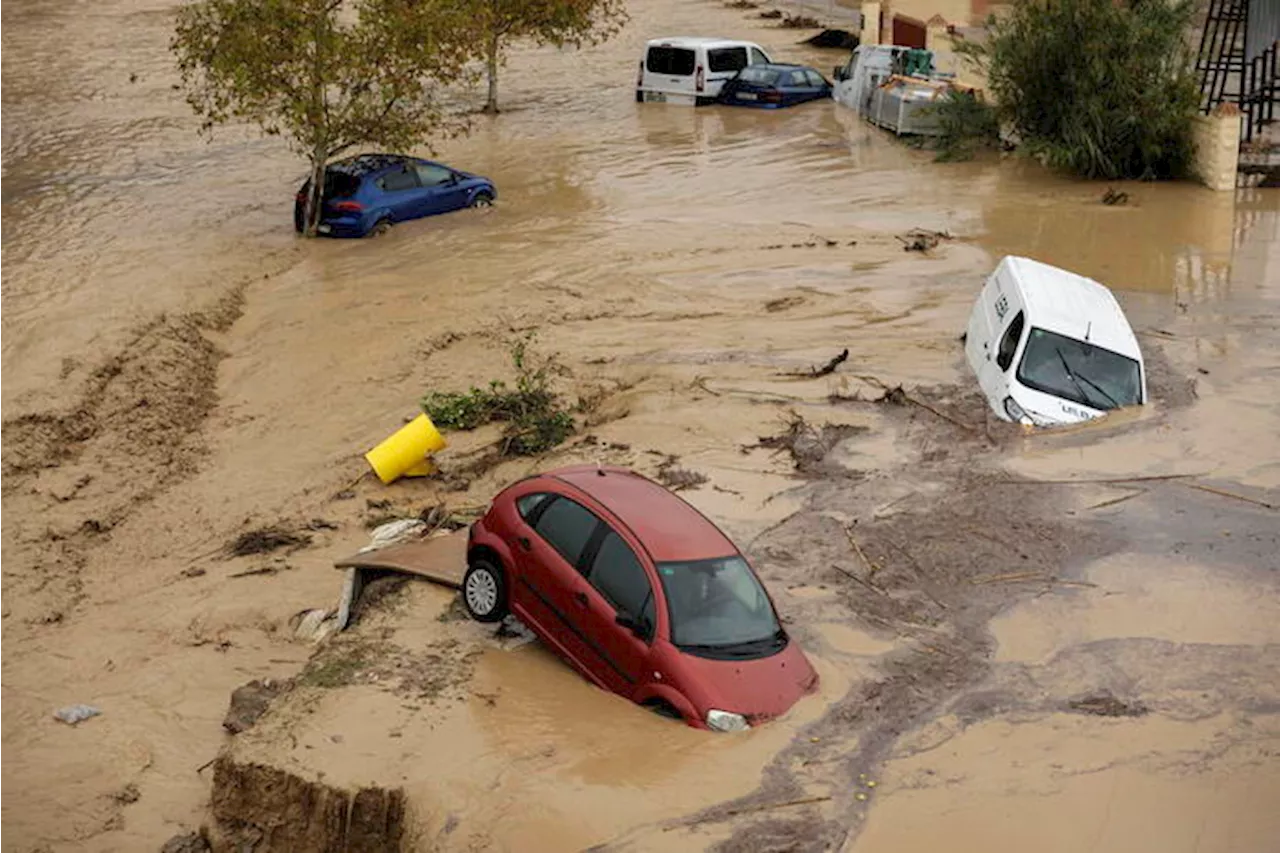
405, 452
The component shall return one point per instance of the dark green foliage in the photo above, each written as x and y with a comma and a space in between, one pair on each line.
1100, 88
324, 75
536, 418
968, 124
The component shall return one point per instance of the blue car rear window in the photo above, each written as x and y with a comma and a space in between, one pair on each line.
340, 185
762, 76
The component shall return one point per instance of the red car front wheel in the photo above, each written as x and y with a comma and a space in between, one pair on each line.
484, 592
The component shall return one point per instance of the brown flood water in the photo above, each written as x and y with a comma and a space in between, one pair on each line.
638, 241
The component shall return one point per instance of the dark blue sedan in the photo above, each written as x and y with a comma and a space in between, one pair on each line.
368, 194
775, 85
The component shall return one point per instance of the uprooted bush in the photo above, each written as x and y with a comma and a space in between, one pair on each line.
1101, 88
967, 124
535, 416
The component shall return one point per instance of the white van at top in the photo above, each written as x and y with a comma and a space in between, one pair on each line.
684, 70
1050, 347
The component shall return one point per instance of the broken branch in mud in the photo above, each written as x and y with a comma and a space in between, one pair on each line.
808, 445
1113, 501
1011, 577
263, 540
1224, 493
857, 549
676, 478
1153, 478
853, 577
898, 396
920, 240
826, 369
701, 383
763, 807
265, 570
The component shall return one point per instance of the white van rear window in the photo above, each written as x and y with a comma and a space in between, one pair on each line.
677, 61
727, 58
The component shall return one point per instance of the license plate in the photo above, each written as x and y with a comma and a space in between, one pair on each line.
747, 96
324, 229
656, 97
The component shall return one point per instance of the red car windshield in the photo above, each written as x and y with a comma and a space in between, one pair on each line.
719, 605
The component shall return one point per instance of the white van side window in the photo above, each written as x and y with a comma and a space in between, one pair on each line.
727, 58
1009, 343
758, 57
676, 61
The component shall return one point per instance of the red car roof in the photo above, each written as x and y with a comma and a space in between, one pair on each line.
668, 527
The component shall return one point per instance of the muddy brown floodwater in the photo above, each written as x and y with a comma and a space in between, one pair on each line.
1015, 662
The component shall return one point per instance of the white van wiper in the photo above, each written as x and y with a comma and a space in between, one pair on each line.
1075, 380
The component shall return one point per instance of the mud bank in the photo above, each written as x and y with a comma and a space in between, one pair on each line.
271, 811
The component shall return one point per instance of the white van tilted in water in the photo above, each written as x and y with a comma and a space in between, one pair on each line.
687, 70
1050, 347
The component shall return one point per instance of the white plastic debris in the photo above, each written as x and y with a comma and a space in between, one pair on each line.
512, 634
315, 625
73, 714
395, 532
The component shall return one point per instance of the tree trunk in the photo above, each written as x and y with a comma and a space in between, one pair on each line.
315, 198
491, 106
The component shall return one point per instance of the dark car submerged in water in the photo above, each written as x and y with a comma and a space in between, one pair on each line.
369, 193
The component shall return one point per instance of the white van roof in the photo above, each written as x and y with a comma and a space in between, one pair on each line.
1072, 305
698, 41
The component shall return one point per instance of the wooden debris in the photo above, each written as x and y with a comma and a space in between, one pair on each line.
1224, 493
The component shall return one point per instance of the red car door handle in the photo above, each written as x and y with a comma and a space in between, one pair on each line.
581, 598
524, 543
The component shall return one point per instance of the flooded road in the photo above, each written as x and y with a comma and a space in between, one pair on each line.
178, 368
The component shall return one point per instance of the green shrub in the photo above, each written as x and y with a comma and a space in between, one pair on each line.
968, 124
536, 418
1101, 88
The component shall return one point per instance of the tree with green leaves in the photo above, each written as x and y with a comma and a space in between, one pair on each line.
1100, 88
324, 75
555, 22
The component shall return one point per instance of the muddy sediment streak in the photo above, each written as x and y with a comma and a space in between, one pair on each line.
133, 431
268, 810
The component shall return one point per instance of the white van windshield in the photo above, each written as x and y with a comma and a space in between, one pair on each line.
1079, 371
676, 61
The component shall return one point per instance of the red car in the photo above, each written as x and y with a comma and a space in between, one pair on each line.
639, 592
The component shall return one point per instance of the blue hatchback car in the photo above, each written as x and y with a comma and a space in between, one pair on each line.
774, 85
369, 193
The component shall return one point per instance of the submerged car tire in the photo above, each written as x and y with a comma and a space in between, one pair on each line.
484, 592
484, 198
380, 228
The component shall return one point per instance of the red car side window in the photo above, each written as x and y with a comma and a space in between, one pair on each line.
527, 505
567, 527
618, 575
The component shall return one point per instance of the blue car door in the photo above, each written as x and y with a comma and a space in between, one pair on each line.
795, 87
401, 192
819, 87
441, 189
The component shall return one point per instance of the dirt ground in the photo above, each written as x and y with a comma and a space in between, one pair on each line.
1025, 641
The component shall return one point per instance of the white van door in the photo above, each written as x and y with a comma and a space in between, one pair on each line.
668, 73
